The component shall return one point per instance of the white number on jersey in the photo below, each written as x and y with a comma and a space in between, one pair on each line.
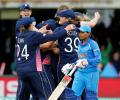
72, 44
24, 52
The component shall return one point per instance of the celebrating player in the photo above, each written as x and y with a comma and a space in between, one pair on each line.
67, 45
25, 11
46, 53
87, 75
28, 59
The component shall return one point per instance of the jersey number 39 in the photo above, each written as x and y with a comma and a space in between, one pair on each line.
72, 44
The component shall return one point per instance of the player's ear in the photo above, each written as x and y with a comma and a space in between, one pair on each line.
31, 11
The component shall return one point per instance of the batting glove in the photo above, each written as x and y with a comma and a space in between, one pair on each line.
66, 68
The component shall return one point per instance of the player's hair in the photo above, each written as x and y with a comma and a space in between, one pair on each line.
24, 27
71, 21
60, 8
63, 7
93, 37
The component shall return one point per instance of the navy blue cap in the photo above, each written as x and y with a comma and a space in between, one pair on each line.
50, 22
68, 13
25, 6
24, 21
85, 28
40, 25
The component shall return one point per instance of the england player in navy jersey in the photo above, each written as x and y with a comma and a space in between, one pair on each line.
46, 57
28, 59
25, 11
67, 45
87, 75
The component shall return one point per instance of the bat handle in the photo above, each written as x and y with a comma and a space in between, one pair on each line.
72, 71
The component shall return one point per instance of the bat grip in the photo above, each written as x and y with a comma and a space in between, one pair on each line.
72, 71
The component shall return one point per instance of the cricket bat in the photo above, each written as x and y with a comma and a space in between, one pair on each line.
62, 85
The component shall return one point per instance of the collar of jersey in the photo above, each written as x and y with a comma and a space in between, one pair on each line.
85, 42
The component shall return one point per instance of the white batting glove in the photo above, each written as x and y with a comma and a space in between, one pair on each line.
66, 68
82, 63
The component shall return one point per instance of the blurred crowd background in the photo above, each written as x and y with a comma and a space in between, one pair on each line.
106, 32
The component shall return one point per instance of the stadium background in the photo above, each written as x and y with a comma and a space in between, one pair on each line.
106, 29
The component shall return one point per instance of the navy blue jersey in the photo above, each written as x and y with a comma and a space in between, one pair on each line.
46, 56
28, 53
68, 45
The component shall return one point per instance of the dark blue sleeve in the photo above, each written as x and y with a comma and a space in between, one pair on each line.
97, 54
58, 29
39, 38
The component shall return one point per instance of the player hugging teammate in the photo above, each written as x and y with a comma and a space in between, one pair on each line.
33, 67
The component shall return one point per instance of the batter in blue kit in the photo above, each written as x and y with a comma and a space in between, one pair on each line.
87, 75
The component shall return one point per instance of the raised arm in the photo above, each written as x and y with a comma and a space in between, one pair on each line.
93, 21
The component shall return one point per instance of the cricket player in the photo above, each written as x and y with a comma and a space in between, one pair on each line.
87, 75
46, 53
51, 49
82, 19
28, 61
67, 45
25, 11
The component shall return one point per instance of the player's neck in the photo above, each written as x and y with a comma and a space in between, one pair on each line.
83, 41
